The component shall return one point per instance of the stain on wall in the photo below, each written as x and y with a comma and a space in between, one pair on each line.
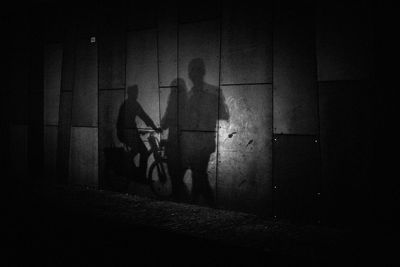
244, 144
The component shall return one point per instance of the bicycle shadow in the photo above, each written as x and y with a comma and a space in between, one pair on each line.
190, 118
120, 165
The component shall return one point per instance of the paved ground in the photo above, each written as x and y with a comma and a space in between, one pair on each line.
75, 226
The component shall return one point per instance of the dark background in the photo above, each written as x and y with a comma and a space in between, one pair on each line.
312, 143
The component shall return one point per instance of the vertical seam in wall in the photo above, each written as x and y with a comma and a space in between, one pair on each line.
74, 45
218, 104
59, 115
272, 110
99, 181
58, 119
158, 74
178, 137
319, 182
126, 61
27, 113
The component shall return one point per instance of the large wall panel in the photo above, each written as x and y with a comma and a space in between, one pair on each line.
16, 105
18, 150
36, 108
18, 65
200, 40
169, 124
52, 82
296, 178
141, 15
199, 11
246, 44
53, 24
110, 102
83, 162
109, 105
112, 47
50, 153
36, 151
68, 61
295, 88
64, 134
245, 151
199, 50
198, 154
169, 107
84, 105
142, 71
167, 45
347, 136
86, 18
344, 46
36, 67
16, 89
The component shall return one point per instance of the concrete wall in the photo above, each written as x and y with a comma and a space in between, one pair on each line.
278, 129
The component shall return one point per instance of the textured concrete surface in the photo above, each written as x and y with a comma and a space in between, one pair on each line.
64, 136
83, 156
200, 40
84, 101
259, 59
294, 69
344, 45
167, 45
142, 71
246, 49
112, 48
297, 177
50, 151
347, 131
244, 179
52, 82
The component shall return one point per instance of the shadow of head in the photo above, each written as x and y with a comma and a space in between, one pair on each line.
133, 92
197, 70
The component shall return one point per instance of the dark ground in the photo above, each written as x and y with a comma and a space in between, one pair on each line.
75, 226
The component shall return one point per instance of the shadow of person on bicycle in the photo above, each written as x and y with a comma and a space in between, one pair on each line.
200, 111
128, 133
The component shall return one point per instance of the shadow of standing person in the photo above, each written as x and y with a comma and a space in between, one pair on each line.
169, 122
204, 106
132, 142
